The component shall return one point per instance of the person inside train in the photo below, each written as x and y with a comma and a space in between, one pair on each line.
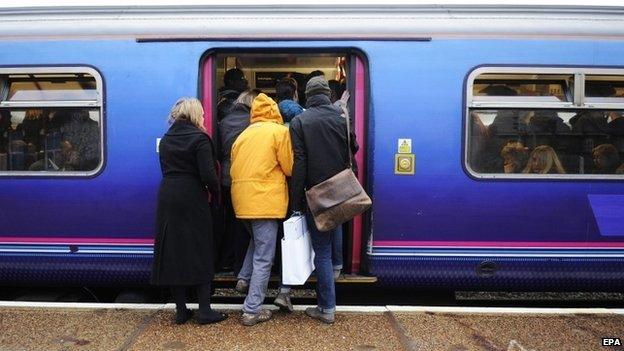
313, 74
479, 149
336, 90
488, 141
590, 122
234, 83
83, 135
515, 156
606, 159
544, 160
183, 247
547, 122
262, 158
616, 123
319, 137
232, 242
32, 126
65, 160
287, 97
5, 131
506, 121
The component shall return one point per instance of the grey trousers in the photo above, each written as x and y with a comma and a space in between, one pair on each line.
258, 261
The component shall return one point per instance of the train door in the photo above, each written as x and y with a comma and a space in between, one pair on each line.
263, 70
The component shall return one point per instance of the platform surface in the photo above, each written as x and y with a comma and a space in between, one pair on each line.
149, 327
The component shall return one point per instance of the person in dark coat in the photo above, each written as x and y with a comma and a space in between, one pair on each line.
183, 249
547, 122
83, 135
232, 244
286, 91
616, 125
234, 83
590, 122
319, 139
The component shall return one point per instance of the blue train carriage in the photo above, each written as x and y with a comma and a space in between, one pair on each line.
489, 135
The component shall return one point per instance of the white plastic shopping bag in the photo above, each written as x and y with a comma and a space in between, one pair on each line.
297, 252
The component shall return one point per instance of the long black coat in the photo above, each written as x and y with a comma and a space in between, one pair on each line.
183, 249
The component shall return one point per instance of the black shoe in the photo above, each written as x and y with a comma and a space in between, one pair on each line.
211, 318
183, 316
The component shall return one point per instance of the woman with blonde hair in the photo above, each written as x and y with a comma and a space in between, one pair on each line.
183, 249
544, 160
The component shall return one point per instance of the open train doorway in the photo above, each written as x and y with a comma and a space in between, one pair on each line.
263, 70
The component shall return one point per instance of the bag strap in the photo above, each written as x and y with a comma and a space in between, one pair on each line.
348, 118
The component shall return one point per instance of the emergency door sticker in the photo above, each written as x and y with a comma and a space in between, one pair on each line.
404, 164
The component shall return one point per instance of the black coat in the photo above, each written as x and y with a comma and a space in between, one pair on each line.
616, 127
230, 127
319, 140
183, 249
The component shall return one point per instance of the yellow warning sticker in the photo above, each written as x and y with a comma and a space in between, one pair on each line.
404, 146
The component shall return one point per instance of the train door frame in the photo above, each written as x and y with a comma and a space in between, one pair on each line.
356, 260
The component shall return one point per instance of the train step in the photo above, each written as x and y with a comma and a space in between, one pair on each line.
343, 279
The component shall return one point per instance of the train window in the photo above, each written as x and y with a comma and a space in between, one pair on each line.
50, 121
523, 88
604, 89
52, 87
553, 131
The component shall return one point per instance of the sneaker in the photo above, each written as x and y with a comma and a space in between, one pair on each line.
315, 313
283, 302
183, 316
242, 286
336, 274
249, 319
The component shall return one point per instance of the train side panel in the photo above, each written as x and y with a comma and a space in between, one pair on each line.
441, 227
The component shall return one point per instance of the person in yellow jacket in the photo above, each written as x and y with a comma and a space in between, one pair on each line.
262, 158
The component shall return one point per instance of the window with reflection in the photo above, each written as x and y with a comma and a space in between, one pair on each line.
50, 123
543, 138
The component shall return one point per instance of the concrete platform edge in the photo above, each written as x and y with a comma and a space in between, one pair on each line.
355, 309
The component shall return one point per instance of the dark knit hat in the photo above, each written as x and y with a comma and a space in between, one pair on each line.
317, 85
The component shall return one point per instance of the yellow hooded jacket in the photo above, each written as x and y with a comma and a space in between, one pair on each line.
262, 158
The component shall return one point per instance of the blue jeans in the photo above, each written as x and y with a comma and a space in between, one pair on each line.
337, 248
336, 256
322, 244
258, 261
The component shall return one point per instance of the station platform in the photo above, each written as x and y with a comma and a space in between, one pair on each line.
71, 326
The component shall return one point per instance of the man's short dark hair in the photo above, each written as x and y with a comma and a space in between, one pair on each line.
284, 90
235, 78
316, 73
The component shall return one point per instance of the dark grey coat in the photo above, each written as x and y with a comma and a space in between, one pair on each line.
230, 127
183, 249
319, 141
